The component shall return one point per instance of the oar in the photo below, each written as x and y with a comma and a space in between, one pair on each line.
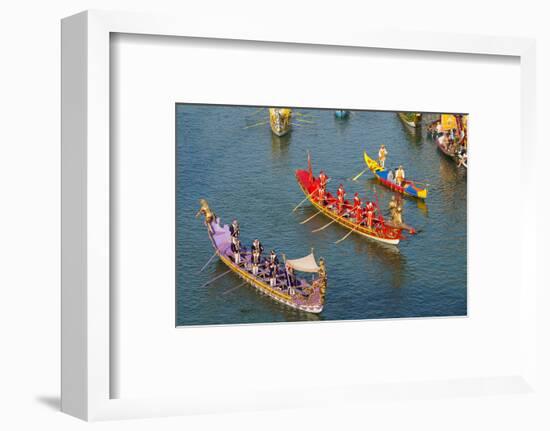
257, 111
359, 174
311, 218
308, 196
209, 260
215, 278
233, 288
257, 124
344, 237
328, 224
325, 226
306, 121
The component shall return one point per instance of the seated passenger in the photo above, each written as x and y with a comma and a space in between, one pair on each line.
390, 176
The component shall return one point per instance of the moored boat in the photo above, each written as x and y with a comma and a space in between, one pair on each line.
341, 113
452, 145
380, 229
280, 120
409, 188
411, 119
289, 290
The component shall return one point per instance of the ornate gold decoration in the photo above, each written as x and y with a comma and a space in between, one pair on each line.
205, 211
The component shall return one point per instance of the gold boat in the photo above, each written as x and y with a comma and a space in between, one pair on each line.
280, 120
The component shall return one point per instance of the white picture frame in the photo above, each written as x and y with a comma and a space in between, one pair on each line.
86, 341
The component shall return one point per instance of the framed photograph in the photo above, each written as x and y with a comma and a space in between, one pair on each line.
324, 205
360, 214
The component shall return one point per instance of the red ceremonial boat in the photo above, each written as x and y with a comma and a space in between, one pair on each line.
294, 292
380, 229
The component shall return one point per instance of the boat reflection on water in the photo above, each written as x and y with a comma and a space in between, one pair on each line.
412, 134
451, 175
280, 145
385, 255
422, 206
291, 315
341, 125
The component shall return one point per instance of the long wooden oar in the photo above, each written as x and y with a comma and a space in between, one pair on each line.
356, 177
233, 288
344, 237
209, 260
325, 226
311, 218
328, 224
261, 123
257, 111
216, 278
308, 196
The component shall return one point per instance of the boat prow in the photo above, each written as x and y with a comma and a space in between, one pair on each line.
280, 120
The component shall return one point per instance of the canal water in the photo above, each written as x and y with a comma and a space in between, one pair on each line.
229, 156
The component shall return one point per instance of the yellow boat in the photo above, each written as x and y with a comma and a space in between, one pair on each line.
280, 120
409, 187
411, 119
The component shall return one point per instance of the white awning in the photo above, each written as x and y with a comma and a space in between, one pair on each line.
305, 264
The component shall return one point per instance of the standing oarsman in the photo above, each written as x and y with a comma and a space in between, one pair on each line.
392, 206
369, 209
234, 229
397, 218
321, 196
341, 196
322, 187
273, 274
357, 210
323, 180
257, 250
290, 279
382, 154
273, 258
400, 176
236, 249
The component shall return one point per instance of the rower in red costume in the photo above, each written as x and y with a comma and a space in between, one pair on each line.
321, 196
323, 180
369, 209
341, 196
357, 210
322, 187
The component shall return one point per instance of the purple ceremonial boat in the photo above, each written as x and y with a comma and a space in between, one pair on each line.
293, 292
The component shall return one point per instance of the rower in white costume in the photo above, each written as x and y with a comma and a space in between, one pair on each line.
236, 249
234, 229
382, 154
257, 250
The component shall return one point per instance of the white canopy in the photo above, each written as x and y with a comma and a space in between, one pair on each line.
305, 264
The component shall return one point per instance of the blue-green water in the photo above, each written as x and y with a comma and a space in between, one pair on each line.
248, 174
